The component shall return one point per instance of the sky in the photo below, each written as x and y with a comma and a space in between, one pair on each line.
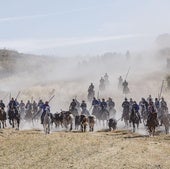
81, 27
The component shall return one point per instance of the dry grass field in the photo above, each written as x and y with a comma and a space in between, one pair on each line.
32, 149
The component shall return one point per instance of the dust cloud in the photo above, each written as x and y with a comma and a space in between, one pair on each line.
40, 77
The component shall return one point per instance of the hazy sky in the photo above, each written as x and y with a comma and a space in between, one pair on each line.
73, 27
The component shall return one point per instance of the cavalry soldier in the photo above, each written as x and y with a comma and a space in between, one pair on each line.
95, 102
2, 105
102, 84
110, 103
152, 113
34, 106
91, 87
135, 107
106, 79
83, 105
73, 105
125, 87
91, 92
45, 107
163, 105
28, 106
40, 105
12, 104
126, 108
157, 104
103, 104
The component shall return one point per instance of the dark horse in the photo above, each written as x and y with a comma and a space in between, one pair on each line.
152, 123
103, 115
2, 118
14, 117
134, 118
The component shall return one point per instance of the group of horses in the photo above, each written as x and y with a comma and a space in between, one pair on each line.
80, 120
150, 123
13, 116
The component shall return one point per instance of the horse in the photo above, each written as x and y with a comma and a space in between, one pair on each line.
95, 110
166, 122
85, 112
152, 123
144, 114
58, 119
134, 118
91, 121
83, 122
28, 115
2, 118
47, 122
125, 117
112, 112
126, 90
74, 112
14, 117
67, 119
103, 115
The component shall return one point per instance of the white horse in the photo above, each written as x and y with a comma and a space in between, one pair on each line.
47, 122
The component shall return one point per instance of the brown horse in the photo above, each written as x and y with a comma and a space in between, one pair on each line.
152, 123
14, 118
2, 118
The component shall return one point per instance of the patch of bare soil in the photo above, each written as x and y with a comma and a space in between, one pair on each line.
32, 149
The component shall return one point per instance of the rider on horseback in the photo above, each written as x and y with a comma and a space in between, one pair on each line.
110, 103
91, 87
135, 108
106, 79
45, 107
126, 107
103, 104
95, 102
73, 105
157, 104
125, 87
152, 113
83, 105
2, 105
102, 84
12, 104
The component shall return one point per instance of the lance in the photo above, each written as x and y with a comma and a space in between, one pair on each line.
9, 96
51, 93
18, 95
127, 73
98, 95
159, 96
51, 98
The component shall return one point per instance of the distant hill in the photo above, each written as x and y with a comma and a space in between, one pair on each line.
12, 62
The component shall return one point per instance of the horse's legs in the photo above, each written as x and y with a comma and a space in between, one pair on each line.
13, 124
133, 127
3, 124
71, 126
153, 132
18, 122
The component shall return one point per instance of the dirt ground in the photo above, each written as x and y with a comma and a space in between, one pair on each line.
32, 149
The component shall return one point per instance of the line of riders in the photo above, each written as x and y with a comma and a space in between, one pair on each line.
104, 81
153, 113
147, 110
